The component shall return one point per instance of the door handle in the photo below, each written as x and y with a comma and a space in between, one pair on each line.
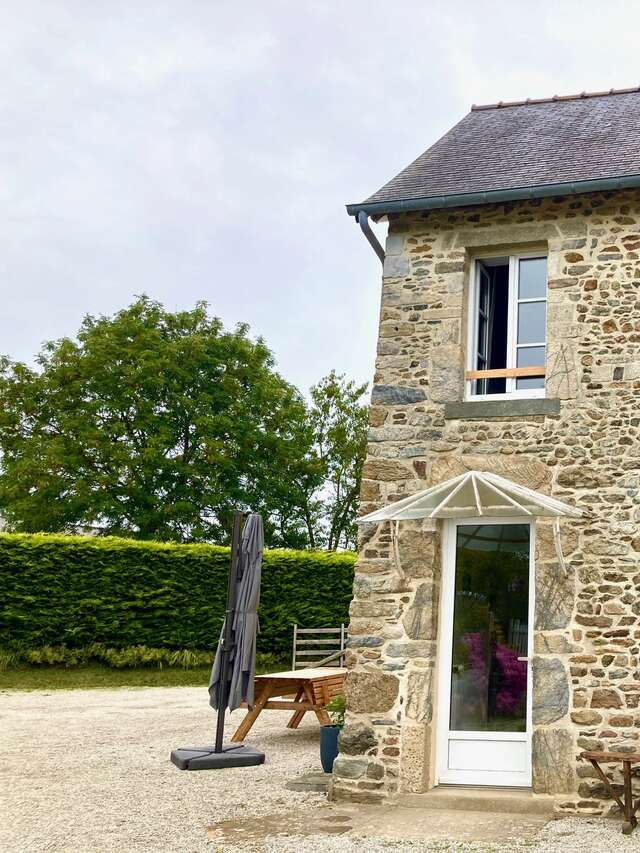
524, 659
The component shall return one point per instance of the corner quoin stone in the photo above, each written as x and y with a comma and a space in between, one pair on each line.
396, 395
370, 692
356, 739
550, 691
552, 761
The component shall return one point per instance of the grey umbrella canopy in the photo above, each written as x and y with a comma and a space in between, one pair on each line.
245, 620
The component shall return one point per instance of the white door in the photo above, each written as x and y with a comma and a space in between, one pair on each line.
484, 707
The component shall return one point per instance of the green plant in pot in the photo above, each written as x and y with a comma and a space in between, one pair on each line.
329, 734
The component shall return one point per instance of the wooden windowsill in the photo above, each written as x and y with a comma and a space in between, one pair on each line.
505, 373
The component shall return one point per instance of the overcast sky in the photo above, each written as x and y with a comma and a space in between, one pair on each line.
205, 150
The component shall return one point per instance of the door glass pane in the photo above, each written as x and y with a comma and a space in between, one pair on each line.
490, 628
533, 278
531, 322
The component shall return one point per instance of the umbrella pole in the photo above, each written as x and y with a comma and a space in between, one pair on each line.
227, 638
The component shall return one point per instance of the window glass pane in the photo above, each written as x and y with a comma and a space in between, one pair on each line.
533, 278
484, 292
490, 628
528, 383
531, 322
530, 357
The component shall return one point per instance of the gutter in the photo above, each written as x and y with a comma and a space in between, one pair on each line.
380, 208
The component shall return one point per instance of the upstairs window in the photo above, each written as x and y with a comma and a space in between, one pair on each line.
507, 335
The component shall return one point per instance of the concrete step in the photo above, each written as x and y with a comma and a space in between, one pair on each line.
315, 781
481, 799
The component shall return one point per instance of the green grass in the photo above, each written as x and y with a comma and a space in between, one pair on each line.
94, 675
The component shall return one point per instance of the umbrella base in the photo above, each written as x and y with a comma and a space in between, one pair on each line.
204, 757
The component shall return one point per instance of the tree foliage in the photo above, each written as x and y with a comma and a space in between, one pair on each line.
155, 425
339, 424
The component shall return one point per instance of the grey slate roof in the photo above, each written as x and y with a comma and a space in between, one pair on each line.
522, 147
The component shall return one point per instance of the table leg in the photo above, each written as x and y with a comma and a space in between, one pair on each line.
296, 717
631, 820
245, 726
323, 717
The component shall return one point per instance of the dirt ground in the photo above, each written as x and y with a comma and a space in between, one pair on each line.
89, 770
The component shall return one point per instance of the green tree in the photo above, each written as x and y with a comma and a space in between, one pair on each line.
339, 423
153, 424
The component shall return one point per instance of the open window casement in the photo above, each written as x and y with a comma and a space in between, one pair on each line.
478, 494
507, 328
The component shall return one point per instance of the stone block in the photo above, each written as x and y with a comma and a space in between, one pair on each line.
416, 758
413, 649
395, 266
521, 469
553, 644
446, 380
394, 244
420, 620
552, 759
586, 718
581, 477
419, 550
349, 768
372, 609
356, 739
370, 691
494, 409
550, 691
396, 395
554, 597
562, 373
396, 329
385, 470
418, 704
545, 545
605, 698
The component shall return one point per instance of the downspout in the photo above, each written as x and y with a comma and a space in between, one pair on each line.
363, 221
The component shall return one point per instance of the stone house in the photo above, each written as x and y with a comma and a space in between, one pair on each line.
494, 633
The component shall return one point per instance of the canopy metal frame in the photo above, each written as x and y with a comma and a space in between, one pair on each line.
474, 493
477, 494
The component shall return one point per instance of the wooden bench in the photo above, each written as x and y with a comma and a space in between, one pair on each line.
629, 808
299, 691
314, 647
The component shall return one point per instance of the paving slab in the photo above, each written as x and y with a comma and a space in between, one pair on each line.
386, 822
314, 781
413, 824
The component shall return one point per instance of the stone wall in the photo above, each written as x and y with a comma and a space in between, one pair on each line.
585, 671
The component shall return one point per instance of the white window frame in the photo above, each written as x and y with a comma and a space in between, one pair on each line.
511, 392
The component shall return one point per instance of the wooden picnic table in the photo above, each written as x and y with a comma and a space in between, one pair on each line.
629, 808
298, 690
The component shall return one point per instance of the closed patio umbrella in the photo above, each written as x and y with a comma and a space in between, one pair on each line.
244, 622
233, 669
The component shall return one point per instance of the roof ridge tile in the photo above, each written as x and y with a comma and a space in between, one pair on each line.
553, 99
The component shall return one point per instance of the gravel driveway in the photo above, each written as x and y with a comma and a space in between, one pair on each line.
89, 771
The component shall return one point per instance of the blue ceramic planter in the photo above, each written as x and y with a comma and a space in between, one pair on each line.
328, 746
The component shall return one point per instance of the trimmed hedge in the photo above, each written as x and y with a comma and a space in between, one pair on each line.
75, 590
